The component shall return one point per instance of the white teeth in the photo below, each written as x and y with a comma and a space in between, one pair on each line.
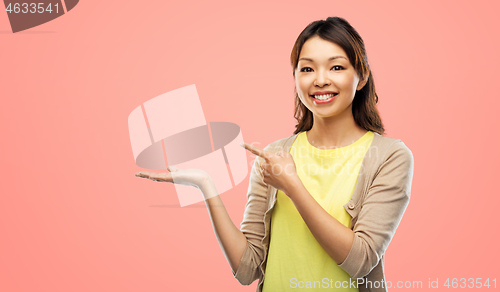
324, 96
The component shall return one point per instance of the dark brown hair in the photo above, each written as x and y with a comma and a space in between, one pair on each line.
364, 104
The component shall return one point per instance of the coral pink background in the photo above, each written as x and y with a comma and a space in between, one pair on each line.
74, 218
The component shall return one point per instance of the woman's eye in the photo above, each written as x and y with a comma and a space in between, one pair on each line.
308, 69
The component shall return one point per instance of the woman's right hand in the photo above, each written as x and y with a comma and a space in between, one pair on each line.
190, 177
231, 240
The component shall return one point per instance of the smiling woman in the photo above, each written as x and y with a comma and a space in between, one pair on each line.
324, 203
321, 80
332, 51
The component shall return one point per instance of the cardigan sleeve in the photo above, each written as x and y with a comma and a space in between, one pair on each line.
381, 211
253, 227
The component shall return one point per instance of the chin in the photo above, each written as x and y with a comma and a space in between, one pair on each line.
325, 114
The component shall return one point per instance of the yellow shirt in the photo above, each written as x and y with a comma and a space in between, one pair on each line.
296, 259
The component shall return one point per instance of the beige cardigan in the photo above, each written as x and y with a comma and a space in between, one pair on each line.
377, 205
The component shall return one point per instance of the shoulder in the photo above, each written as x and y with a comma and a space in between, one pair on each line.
392, 151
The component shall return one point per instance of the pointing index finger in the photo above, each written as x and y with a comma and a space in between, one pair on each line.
255, 150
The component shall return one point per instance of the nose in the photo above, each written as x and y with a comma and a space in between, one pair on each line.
322, 79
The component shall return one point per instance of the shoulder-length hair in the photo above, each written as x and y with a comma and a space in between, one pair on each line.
340, 32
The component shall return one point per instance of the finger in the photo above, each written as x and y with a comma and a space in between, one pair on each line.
264, 167
265, 179
161, 177
143, 174
172, 168
256, 150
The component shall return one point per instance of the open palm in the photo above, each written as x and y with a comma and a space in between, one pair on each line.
189, 177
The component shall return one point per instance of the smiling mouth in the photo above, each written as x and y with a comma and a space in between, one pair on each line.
324, 96
323, 99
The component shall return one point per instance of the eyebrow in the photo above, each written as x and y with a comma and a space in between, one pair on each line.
332, 58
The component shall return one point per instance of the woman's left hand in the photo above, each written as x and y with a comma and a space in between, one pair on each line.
278, 169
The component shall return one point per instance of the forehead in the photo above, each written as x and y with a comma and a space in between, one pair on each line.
318, 48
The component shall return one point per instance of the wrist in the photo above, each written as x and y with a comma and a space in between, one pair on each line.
294, 185
207, 187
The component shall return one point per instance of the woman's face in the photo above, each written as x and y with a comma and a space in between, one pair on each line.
324, 69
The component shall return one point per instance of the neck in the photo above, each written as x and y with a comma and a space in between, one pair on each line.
335, 132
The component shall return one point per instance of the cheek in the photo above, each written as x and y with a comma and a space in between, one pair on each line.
302, 86
349, 82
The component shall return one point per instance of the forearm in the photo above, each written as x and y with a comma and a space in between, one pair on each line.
231, 240
335, 238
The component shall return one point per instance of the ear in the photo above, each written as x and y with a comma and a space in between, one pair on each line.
362, 82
